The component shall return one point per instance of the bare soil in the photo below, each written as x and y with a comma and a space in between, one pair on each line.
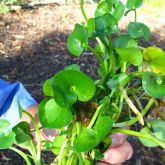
33, 48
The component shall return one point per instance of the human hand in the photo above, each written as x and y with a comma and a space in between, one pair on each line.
119, 151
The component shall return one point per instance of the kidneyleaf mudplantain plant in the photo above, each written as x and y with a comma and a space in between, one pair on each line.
131, 81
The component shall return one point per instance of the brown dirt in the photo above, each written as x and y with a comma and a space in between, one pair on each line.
33, 48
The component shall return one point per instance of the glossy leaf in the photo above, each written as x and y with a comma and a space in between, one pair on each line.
137, 30
7, 136
102, 127
70, 86
153, 84
103, 7
47, 87
23, 136
57, 116
91, 27
105, 24
146, 141
130, 55
134, 4
119, 10
124, 41
158, 127
57, 143
41, 114
77, 40
73, 67
86, 140
118, 81
152, 52
158, 64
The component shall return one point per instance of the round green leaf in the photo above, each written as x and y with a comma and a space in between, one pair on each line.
86, 140
6, 141
118, 81
124, 41
7, 136
153, 84
23, 135
103, 7
105, 24
70, 86
133, 4
41, 114
77, 40
91, 27
118, 10
152, 52
130, 55
137, 30
73, 67
57, 116
57, 144
157, 64
47, 87
102, 127
146, 141
158, 127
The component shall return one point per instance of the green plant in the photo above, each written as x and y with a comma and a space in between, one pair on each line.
131, 82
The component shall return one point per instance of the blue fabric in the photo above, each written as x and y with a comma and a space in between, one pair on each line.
10, 96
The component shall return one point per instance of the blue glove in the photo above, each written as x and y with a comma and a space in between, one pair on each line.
10, 96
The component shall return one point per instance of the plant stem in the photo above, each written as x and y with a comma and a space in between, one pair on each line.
135, 119
21, 154
61, 151
135, 15
78, 155
132, 106
82, 10
140, 135
38, 138
95, 116
96, 54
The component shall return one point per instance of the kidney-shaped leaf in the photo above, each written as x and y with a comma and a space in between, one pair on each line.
137, 30
158, 64
77, 40
146, 141
153, 84
118, 81
51, 115
86, 140
158, 127
103, 7
23, 136
118, 10
105, 24
7, 136
102, 127
133, 4
57, 116
130, 55
47, 87
152, 52
70, 85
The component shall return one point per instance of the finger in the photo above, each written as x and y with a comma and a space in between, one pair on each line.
119, 154
117, 139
